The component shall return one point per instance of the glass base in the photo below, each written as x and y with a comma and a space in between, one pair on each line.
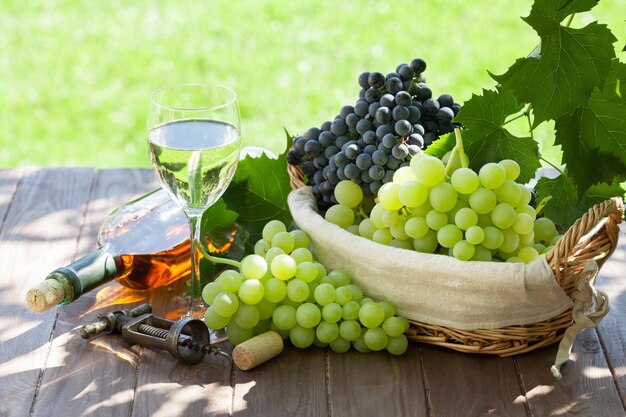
196, 309
218, 336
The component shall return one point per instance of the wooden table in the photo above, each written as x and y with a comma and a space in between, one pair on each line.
48, 217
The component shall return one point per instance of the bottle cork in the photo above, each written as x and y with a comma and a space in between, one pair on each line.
45, 295
257, 350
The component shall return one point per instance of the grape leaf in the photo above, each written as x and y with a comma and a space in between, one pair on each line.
586, 164
217, 228
486, 139
570, 64
258, 193
233, 239
601, 192
608, 108
545, 13
593, 139
216, 224
566, 207
444, 144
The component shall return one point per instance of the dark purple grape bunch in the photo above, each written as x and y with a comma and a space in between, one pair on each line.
394, 118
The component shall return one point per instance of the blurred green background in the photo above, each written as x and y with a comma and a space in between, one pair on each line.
76, 75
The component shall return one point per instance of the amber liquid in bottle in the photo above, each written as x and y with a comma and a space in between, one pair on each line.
151, 245
143, 244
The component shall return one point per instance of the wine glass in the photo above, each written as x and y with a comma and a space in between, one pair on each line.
194, 140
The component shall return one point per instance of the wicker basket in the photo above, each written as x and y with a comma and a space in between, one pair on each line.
592, 237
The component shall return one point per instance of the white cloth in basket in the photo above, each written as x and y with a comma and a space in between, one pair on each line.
431, 288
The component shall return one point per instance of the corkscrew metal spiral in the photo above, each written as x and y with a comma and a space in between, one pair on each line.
188, 340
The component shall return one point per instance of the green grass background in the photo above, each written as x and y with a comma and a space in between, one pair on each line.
75, 76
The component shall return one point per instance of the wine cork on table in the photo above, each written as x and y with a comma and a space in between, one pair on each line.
257, 350
45, 295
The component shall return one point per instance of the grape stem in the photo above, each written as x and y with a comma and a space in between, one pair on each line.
457, 150
551, 164
459, 146
215, 259
527, 113
412, 83
530, 130
524, 113
542, 204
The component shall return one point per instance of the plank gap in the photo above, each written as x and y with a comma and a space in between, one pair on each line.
45, 363
131, 406
521, 384
92, 196
329, 408
18, 187
233, 382
611, 366
429, 412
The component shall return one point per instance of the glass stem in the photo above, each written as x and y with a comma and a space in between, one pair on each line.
195, 301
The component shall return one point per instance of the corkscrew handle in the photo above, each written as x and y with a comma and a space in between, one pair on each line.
188, 340
110, 322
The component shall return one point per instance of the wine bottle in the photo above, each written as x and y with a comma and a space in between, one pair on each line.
143, 244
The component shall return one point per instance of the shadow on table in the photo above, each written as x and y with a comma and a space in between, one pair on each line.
49, 204
587, 388
109, 377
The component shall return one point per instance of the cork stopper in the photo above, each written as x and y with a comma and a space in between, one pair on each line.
257, 350
45, 295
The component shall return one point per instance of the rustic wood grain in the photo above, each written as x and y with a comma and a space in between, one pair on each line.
168, 388
590, 386
291, 384
459, 384
38, 235
99, 380
376, 384
612, 329
587, 388
9, 180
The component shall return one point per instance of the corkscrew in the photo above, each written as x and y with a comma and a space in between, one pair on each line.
188, 340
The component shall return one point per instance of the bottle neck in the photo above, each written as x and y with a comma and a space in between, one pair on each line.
85, 274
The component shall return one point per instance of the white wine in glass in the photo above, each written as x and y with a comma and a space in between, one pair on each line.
194, 143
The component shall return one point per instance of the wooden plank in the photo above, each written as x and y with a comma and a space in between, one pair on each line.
461, 384
9, 180
612, 329
38, 235
292, 384
168, 388
96, 376
586, 389
377, 384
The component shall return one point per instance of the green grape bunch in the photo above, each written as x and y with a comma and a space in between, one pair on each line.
451, 210
281, 287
